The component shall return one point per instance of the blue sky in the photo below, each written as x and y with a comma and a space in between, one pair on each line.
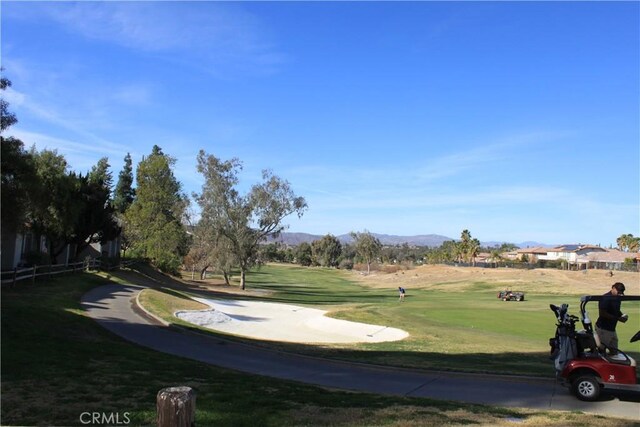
519, 121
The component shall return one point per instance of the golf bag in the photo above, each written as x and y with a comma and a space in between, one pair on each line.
564, 345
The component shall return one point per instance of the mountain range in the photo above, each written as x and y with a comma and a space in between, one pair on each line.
430, 240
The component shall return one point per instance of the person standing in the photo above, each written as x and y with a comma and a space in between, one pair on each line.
401, 291
609, 316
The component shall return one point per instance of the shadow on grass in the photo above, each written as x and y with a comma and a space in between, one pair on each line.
100, 372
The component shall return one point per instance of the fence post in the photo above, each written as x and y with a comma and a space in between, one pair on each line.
176, 407
15, 274
33, 274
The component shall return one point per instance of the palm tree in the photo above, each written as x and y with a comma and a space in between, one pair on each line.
473, 249
628, 243
496, 256
622, 242
463, 245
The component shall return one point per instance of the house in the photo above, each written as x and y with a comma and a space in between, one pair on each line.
531, 254
611, 259
578, 255
572, 254
25, 248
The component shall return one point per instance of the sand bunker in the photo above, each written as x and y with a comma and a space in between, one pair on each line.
283, 322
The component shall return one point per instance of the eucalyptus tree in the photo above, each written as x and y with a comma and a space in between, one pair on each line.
154, 220
367, 246
244, 220
210, 250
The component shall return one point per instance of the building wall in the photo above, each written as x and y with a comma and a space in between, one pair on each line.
11, 245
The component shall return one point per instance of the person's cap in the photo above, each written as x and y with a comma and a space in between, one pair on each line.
619, 287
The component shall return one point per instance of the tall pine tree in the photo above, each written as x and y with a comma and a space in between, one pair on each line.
154, 219
124, 193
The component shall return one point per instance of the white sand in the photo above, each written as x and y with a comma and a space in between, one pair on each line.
282, 322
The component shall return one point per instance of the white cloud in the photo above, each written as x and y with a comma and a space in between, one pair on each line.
211, 36
484, 155
79, 155
51, 115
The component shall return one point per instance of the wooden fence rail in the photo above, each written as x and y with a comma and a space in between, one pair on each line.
12, 276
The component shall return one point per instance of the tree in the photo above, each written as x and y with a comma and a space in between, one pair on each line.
468, 247
628, 243
367, 246
18, 177
123, 197
7, 118
124, 193
211, 250
326, 251
304, 254
64, 207
496, 256
96, 221
244, 220
17, 170
473, 250
55, 201
154, 219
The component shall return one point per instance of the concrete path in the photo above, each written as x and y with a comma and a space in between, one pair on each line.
114, 307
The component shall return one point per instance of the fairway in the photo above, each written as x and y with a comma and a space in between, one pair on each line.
86, 368
452, 314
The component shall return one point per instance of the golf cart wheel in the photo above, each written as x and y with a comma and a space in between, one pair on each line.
586, 388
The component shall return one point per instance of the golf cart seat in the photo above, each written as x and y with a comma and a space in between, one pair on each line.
587, 342
589, 345
624, 360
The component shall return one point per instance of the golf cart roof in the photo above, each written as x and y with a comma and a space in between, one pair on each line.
587, 298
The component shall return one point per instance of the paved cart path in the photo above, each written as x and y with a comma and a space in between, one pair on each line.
114, 307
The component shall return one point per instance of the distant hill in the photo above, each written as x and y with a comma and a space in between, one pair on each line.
520, 245
430, 240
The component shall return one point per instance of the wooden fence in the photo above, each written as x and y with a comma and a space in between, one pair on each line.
12, 276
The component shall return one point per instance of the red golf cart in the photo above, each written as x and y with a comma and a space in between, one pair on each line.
582, 362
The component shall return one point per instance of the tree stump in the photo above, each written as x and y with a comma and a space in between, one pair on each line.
176, 407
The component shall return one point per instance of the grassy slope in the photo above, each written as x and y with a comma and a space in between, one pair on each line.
58, 363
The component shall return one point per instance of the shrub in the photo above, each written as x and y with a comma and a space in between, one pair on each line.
36, 258
346, 264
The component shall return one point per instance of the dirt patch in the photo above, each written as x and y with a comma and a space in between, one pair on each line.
536, 280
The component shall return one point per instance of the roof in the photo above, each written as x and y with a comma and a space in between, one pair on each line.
611, 255
535, 250
576, 248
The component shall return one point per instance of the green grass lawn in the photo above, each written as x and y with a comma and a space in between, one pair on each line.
468, 330
57, 363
